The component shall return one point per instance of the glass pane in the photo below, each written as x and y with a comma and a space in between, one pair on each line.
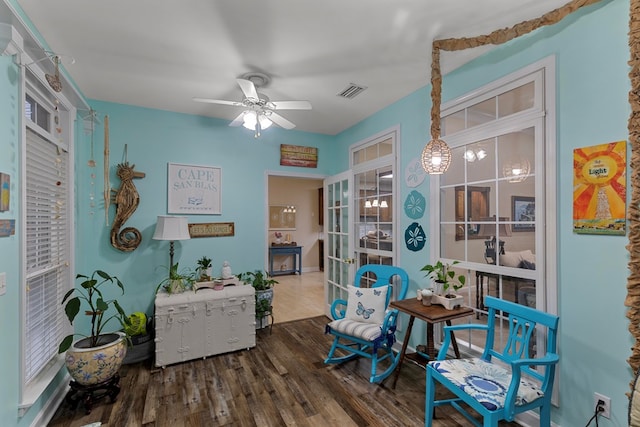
447, 204
481, 160
481, 113
507, 190
516, 100
452, 123
42, 117
385, 147
30, 108
516, 155
455, 173
449, 247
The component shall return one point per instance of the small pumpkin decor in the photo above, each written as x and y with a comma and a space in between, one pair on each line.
446, 281
96, 359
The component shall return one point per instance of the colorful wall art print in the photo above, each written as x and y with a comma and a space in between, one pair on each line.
599, 189
5, 192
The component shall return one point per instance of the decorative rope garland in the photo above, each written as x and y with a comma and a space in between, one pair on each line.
633, 213
497, 37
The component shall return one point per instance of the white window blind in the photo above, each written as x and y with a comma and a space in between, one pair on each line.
47, 250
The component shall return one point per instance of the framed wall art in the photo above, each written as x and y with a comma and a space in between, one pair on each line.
523, 210
193, 189
5, 192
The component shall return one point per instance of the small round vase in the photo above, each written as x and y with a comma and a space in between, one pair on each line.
95, 365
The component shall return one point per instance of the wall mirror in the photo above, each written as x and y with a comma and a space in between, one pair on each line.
282, 217
476, 205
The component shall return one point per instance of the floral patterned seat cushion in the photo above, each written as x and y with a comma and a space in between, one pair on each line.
365, 331
485, 381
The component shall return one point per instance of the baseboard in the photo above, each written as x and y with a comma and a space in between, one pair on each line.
51, 406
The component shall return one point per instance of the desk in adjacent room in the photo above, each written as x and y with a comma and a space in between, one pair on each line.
431, 314
287, 250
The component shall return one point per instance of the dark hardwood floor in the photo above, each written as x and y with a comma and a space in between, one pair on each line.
281, 382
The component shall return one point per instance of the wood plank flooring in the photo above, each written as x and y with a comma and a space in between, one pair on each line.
281, 382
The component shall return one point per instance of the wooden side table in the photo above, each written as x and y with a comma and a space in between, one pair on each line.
431, 314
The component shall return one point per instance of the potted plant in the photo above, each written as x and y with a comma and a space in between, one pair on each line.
177, 281
204, 269
446, 282
95, 359
263, 285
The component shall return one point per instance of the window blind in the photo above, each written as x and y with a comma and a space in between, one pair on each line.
47, 250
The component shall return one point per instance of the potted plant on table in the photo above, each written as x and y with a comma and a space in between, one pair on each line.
447, 282
95, 359
204, 269
263, 285
178, 281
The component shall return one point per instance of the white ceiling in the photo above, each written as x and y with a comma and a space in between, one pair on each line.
162, 53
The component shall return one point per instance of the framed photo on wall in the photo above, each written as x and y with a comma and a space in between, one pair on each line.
523, 209
193, 189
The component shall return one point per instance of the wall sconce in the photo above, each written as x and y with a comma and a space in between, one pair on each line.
171, 228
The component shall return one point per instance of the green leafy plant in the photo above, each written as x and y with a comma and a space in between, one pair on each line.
260, 280
204, 263
99, 309
444, 274
178, 281
262, 307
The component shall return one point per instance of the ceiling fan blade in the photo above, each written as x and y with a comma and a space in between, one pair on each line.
291, 105
281, 121
248, 88
218, 101
238, 120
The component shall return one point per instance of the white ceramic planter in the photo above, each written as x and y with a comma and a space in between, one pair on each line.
448, 303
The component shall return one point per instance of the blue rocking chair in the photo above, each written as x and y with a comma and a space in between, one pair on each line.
363, 325
499, 391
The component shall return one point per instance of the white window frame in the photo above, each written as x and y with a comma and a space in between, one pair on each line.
33, 82
380, 162
546, 224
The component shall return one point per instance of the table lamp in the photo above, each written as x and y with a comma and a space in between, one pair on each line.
171, 228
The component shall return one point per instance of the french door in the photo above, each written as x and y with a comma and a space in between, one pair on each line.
339, 267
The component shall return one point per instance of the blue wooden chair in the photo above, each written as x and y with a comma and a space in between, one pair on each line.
499, 384
363, 325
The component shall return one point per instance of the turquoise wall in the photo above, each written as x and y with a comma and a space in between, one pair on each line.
591, 50
591, 53
154, 138
10, 246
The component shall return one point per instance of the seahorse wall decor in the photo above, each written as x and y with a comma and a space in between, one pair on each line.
126, 200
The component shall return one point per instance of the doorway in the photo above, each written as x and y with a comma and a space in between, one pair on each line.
296, 296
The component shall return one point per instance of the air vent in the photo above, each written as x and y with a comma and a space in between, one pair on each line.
352, 91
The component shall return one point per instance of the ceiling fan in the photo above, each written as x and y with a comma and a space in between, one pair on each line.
259, 111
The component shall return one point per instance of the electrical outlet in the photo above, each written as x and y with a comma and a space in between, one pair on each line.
606, 404
3, 283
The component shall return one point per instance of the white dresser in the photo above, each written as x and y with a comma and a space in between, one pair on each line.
193, 325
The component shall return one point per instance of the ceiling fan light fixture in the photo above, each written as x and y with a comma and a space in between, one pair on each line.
250, 120
264, 121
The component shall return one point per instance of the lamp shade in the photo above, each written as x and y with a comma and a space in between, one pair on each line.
171, 228
436, 157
